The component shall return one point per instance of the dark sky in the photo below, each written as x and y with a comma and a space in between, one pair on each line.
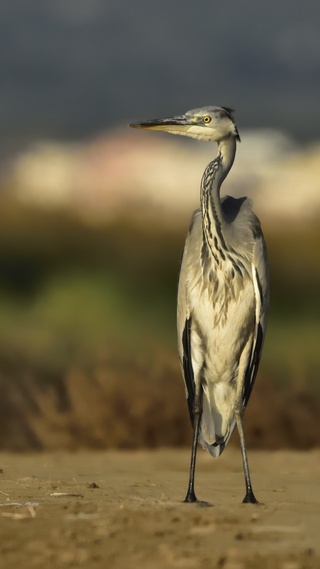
71, 68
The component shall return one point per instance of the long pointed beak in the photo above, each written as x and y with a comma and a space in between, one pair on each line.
169, 124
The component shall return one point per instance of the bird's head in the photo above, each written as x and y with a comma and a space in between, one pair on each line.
206, 123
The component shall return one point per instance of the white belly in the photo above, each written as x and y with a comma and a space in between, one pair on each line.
222, 322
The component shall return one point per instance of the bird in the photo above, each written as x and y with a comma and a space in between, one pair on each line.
223, 295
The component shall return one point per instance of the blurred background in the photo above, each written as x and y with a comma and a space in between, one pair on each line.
93, 216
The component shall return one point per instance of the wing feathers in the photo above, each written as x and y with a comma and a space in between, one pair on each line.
253, 365
187, 365
260, 282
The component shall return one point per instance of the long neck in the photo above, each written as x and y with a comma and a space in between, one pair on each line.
212, 213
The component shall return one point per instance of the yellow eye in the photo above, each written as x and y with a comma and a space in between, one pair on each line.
206, 119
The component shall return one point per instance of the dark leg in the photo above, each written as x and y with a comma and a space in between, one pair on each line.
197, 412
249, 497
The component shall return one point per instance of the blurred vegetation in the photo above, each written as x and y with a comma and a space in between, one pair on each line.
87, 334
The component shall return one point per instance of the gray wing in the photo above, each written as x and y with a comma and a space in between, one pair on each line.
191, 257
261, 288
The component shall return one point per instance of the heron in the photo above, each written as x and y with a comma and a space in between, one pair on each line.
223, 295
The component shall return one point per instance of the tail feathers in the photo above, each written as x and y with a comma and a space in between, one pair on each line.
214, 436
217, 448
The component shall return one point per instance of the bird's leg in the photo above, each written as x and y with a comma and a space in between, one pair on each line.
197, 412
249, 497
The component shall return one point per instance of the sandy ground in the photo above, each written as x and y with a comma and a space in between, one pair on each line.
124, 510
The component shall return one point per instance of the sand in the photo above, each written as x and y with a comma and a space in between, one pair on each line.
124, 510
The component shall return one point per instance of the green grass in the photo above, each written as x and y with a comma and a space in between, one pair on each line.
291, 351
79, 315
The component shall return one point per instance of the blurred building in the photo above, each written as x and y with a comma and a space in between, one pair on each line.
130, 171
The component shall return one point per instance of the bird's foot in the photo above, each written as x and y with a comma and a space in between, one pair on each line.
250, 498
192, 499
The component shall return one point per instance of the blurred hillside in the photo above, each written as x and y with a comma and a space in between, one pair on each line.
93, 221
91, 237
